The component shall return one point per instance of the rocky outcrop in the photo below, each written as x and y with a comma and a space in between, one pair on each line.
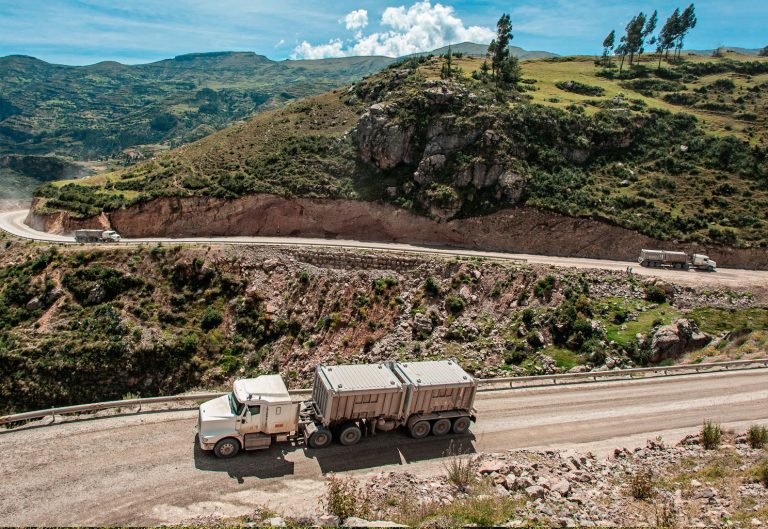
673, 340
519, 230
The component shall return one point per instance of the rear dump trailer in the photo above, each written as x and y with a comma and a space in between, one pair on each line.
348, 402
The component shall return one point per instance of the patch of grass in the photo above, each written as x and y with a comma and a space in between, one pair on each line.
711, 435
641, 484
757, 436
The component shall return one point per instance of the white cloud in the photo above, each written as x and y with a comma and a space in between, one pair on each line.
420, 27
280, 43
357, 19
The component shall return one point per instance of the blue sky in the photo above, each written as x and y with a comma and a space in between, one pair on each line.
135, 31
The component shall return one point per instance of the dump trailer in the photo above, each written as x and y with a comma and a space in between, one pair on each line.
347, 403
96, 236
680, 260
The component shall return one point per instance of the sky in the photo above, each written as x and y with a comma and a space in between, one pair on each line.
139, 31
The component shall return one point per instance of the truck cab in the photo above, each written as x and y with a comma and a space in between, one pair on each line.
111, 235
249, 418
703, 262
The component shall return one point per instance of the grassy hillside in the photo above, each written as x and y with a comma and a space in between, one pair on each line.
678, 153
93, 111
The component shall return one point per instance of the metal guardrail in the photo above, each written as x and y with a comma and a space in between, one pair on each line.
489, 384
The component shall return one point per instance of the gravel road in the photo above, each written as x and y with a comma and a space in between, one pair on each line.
13, 223
146, 469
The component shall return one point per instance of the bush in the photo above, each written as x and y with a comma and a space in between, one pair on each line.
580, 88
757, 436
543, 288
711, 435
343, 498
455, 304
655, 294
761, 471
212, 318
641, 484
431, 287
461, 470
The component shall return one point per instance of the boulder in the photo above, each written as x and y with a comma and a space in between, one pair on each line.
422, 323
676, 339
360, 522
34, 303
561, 486
327, 520
273, 522
535, 491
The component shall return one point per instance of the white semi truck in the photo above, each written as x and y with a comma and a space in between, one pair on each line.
348, 402
96, 236
667, 259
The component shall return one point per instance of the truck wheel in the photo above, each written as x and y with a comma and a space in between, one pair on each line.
441, 427
320, 439
461, 425
420, 429
227, 447
350, 434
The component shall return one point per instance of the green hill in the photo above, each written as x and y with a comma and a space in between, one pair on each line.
676, 154
86, 112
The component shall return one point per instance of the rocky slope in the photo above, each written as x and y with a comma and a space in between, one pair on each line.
84, 324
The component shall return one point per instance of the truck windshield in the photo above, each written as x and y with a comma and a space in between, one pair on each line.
234, 405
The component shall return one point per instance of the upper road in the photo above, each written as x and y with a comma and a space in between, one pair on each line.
13, 223
147, 469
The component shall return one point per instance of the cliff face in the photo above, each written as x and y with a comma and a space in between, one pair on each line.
521, 230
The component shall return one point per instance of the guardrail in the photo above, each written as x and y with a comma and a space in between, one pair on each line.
488, 384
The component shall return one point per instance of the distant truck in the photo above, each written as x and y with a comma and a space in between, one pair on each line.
97, 236
681, 260
348, 401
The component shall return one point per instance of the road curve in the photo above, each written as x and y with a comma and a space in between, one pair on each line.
146, 469
13, 223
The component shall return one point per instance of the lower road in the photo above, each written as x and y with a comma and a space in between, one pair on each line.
13, 223
147, 470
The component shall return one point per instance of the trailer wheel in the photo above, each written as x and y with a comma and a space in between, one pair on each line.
420, 429
461, 425
227, 447
441, 427
350, 434
320, 438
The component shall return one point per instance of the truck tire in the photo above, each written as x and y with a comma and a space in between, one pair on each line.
320, 439
227, 447
461, 425
350, 434
420, 429
441, 427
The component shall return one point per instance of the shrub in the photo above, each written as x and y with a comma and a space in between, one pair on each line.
711, 435
461, 470
431, 287
641, 484
543, 288
455, 304
580, 88
212, 318
655, 294
757, 436
343, 498
761, 472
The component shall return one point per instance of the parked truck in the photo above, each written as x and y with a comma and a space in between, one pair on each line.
681, 260
347, 402
96, 236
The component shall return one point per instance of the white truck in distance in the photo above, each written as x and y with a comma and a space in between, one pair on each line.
347, 402
681, 260
96, 236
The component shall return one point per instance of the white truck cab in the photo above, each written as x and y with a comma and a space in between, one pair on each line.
257, 410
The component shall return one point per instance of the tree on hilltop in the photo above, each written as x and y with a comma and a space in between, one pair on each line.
608, 43
505, 69
632, 42
686, 23
668, 35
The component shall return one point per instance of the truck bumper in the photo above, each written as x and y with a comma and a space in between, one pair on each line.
207, 446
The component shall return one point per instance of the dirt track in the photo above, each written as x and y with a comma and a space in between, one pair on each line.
146, 469
13, 223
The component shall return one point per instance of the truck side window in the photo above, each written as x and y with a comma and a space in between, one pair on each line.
255, 410
277, 410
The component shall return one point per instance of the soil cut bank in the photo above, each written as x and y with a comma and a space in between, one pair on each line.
521, 230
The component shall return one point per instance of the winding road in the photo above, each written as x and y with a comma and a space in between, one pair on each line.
13, 223
147, 470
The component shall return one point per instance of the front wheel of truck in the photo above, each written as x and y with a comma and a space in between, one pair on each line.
226, 448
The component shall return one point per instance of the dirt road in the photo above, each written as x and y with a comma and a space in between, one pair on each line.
13, 223
146, 469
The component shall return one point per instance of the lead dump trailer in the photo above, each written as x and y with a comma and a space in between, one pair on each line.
348, 402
